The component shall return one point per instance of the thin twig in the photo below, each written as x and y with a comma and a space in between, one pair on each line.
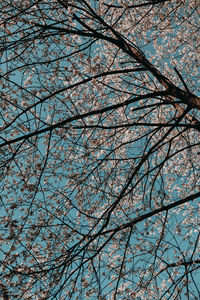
182, 80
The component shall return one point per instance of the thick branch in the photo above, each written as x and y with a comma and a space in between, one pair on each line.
80, 117
186, 97
153, 213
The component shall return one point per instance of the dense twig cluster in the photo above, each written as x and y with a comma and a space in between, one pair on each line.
99, 150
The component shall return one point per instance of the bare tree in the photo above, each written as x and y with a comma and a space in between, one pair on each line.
99, 150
